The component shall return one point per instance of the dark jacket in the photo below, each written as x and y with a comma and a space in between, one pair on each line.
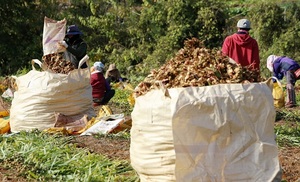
78, 48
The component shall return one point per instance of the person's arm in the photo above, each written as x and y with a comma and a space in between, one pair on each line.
80, 51
107, 85
225, 46
278, 75
278, 66
255, 55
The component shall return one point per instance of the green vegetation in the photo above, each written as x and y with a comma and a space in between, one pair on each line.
45, 157
288, 129
120, 135
287, 135
137, 35
121, 101
141, 35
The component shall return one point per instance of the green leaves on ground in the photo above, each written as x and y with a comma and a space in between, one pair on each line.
288, 129
45, 157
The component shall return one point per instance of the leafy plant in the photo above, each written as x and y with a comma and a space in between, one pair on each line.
287, 115
288, 134
121, 99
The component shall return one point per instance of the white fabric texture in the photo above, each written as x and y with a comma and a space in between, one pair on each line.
215, 133
41, 94
54, 32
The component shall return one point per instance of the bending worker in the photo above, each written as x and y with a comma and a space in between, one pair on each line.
282, 66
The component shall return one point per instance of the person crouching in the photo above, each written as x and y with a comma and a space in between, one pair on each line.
102, 92
282, 66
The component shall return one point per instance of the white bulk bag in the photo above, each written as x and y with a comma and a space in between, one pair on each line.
41, 94
215, 133
152, 151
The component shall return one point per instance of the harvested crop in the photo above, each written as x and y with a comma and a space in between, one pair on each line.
194, 65
57, 63
8, 82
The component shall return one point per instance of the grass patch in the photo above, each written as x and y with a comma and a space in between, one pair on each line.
121, 100
288, 115
288, 135
47, 157
288, 130
120, 135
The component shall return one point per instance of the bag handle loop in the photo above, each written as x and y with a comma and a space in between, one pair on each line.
269, 82
36, 61
277, 81
84, 60
159, 85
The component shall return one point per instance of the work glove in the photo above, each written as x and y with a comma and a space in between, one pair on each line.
63, 44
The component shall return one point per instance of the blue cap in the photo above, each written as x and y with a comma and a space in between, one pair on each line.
73, 30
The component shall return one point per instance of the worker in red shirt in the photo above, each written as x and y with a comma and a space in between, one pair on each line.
102, 92
241, 47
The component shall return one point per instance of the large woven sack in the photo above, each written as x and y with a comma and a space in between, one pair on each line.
41, 94
215, 133
152, 151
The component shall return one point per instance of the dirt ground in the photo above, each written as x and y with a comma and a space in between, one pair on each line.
113, 148
110, 147
289, 158
119, 149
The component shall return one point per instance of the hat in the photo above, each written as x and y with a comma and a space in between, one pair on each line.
243, 23
270, 62
73, 30
112, 67
99, 66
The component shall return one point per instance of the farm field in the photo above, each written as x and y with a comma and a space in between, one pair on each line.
117, 148
154, 44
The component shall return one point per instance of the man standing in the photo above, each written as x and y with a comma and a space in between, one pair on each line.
241, 47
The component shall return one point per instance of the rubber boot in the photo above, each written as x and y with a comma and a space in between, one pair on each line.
290, 97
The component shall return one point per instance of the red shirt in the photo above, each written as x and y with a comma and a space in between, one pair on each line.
242, 48
98, 83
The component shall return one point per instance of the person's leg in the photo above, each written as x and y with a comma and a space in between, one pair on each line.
108, 95
291, 97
